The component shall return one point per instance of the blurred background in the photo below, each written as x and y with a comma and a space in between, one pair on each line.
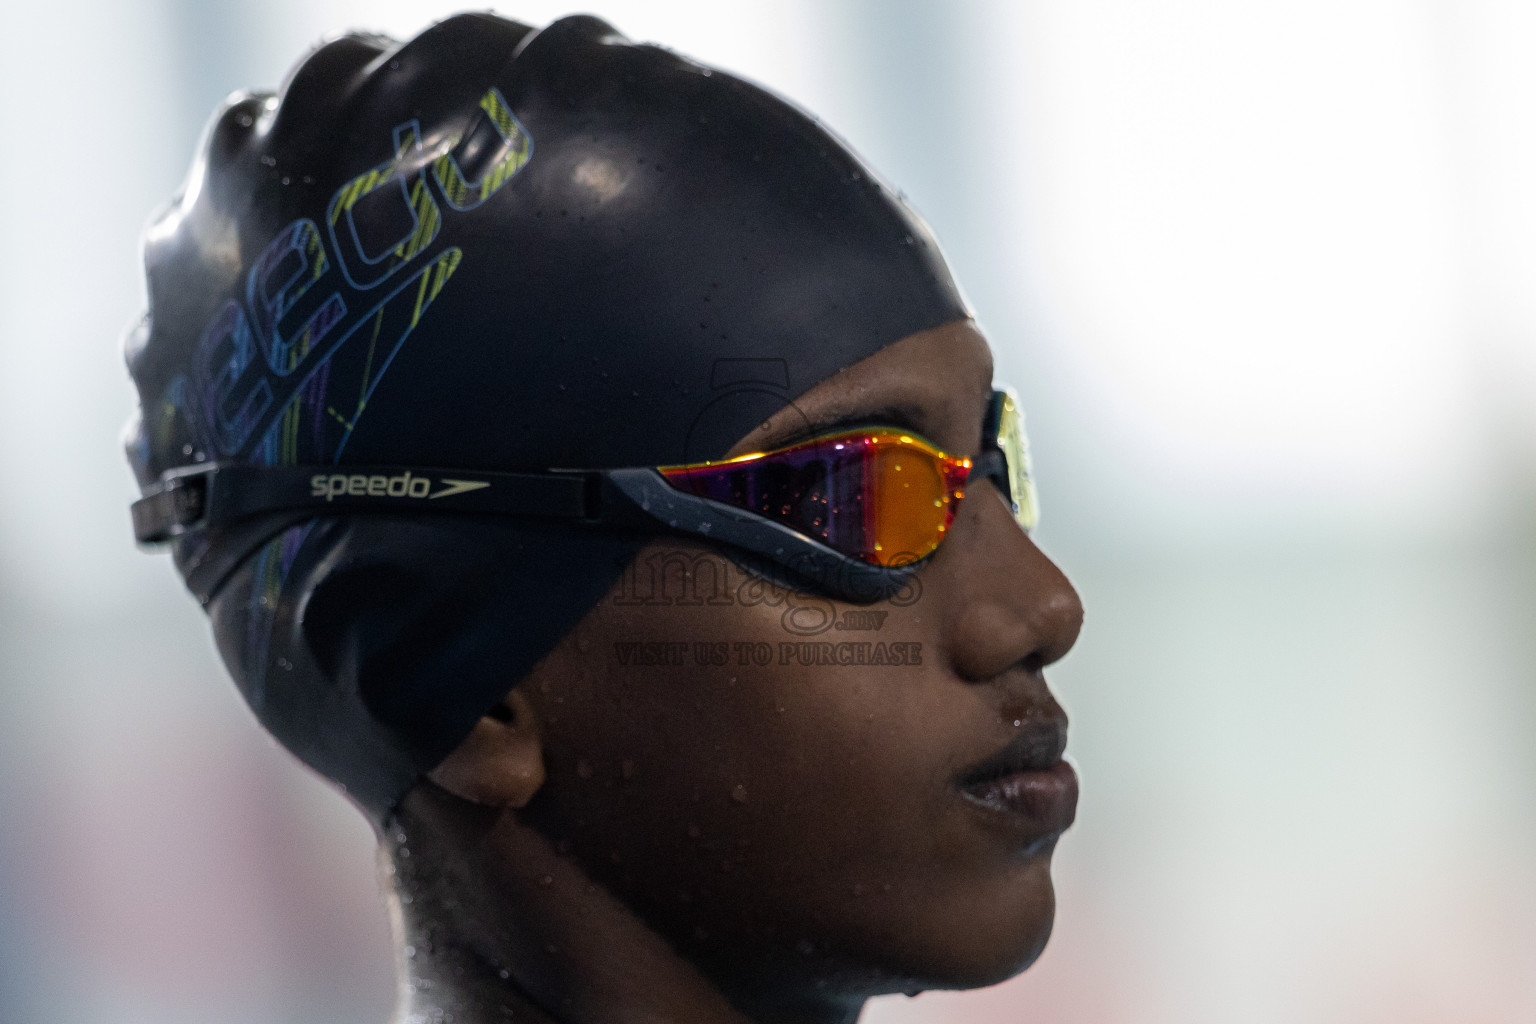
1265, 275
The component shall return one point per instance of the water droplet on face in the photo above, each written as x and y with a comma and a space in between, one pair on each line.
739, 794
1017, 722
547, 880
584, 768
504, 974
410, 952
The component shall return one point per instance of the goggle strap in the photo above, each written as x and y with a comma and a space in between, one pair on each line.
215, 495
991, 426
992, 465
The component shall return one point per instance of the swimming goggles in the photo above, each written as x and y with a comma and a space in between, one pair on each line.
852, 512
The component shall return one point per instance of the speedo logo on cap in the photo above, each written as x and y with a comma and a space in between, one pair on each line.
405, 485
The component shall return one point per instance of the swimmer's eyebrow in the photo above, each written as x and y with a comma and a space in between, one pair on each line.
902, 417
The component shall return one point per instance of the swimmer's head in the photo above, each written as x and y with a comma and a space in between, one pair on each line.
489, 248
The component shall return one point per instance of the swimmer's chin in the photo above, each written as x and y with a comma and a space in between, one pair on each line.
995, 972
980, 957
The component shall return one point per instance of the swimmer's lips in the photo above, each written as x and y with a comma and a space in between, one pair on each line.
1027, 784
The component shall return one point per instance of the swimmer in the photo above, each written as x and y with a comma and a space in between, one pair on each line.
588, 464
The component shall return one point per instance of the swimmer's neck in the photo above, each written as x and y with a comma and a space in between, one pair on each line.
571, 953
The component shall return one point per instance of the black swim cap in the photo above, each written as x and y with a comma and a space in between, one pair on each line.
487, 248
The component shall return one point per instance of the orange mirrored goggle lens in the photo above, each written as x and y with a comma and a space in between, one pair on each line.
879, 495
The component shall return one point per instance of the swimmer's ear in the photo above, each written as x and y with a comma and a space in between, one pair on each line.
501, 762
